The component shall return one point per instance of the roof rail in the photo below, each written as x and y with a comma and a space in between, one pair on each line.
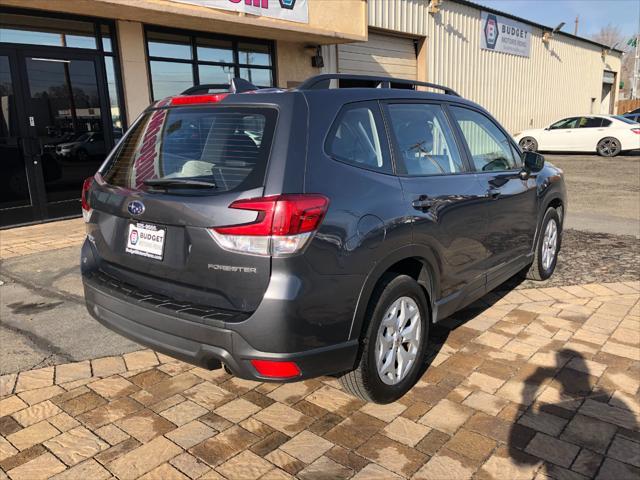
238, 85
319, 82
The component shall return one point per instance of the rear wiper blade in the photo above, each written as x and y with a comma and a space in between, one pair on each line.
179, 182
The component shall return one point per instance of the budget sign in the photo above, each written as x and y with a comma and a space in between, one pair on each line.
502, 34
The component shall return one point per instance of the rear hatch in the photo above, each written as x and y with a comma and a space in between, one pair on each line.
169, 181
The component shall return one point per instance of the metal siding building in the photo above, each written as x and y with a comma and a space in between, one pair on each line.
559, 78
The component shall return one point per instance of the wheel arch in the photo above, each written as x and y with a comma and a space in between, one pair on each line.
416, 261
556, 201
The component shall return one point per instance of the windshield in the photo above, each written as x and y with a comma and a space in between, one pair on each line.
227, 146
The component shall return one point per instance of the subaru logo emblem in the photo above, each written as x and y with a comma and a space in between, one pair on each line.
136, 207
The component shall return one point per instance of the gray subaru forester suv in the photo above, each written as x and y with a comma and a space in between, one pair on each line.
313, 231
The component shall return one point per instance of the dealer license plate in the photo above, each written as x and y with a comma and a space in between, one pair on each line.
146, 240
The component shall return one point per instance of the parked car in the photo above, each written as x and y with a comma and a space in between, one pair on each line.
636, 111
313, 231
634, 117
83, 148
608, 135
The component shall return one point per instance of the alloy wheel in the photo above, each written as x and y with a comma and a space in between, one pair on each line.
608, 147
549, 244
527, 144
398, 340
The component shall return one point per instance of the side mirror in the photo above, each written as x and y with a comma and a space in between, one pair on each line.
533, 162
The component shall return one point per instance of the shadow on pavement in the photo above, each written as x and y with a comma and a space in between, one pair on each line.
579, 425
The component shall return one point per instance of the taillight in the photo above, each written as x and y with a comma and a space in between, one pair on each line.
636, 130
284, 225
276, 369
86, 207
193, 99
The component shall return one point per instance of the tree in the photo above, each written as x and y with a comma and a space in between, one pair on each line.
611, 35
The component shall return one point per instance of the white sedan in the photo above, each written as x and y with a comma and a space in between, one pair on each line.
606, 134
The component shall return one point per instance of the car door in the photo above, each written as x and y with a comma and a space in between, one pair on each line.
585, 137
444, 201
558, 136
510, 198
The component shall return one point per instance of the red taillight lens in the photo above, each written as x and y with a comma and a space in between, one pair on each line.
280, 215
275, 369
283, 226
636, 130
86, 208
193, 99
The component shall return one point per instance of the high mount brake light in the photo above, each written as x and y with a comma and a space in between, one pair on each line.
86, 207
194, 99
284, 225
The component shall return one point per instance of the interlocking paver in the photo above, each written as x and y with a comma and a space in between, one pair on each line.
190, 465
32, 435
40, 468
553, 450
191, 434
541, 384
76, 445
41, 394
405, 431
32, 379
447, 416
245, 466
144, 458
36, 413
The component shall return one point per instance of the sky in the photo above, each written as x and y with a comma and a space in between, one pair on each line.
594, 14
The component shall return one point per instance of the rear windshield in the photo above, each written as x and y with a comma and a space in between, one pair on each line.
624, 119
226, 146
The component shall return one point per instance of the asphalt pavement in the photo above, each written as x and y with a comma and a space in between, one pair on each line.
43, 317
604, 193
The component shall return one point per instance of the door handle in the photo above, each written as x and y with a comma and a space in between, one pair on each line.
422, 203
493, 193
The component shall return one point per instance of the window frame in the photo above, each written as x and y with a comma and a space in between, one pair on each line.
395, 149
193, 36
374, 106
514, 146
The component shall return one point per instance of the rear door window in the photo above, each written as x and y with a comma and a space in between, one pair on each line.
226, 146
424, 139
590, 122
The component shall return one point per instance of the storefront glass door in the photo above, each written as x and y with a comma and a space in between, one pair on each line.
53, 129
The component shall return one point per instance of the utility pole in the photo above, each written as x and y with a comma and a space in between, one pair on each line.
575, 30
635, 85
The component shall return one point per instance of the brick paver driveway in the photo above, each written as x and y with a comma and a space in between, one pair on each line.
541, 382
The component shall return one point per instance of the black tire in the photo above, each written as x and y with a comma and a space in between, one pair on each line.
364, 382
528, 144
537, 270
609, 147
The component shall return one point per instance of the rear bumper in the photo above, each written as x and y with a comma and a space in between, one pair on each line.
205, 345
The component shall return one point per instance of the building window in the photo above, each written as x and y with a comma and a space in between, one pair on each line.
179, 60
53, 31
